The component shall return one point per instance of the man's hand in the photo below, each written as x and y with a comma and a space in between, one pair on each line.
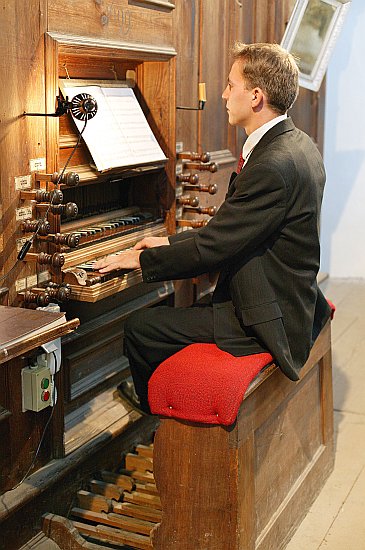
151, 242
129, 259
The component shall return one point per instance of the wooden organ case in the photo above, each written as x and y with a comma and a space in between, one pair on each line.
114, 210
92, 41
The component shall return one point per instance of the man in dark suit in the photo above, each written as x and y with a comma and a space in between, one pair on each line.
263, 240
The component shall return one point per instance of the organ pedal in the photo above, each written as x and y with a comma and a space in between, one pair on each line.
121, 508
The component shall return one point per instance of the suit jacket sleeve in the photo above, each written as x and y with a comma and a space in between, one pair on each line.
254, 211
182, 236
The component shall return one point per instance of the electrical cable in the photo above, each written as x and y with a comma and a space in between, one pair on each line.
9, 272
28, 243
26, 246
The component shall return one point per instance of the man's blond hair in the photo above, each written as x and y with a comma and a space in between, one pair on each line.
271, 68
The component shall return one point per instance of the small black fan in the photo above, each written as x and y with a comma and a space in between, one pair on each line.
84, 107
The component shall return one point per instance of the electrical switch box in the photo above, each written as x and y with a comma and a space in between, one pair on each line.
36, 388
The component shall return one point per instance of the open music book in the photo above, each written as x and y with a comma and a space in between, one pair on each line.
119, 134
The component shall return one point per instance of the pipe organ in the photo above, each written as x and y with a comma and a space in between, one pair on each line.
57, 219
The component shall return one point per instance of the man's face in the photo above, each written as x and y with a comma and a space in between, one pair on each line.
238, 97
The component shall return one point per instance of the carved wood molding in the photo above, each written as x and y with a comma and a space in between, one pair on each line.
80, 45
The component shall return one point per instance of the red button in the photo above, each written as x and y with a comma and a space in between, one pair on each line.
45, 395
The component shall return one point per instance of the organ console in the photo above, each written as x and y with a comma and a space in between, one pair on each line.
57, 221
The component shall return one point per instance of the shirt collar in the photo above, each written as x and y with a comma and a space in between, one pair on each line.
255, 137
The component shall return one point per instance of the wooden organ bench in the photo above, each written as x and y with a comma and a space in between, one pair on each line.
247, 482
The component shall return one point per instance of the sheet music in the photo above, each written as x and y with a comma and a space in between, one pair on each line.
119, 134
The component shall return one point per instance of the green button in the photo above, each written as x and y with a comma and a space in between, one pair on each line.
44, 383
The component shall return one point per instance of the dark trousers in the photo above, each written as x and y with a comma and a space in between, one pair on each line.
152, 335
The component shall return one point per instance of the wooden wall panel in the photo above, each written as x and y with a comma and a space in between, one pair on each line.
21, 138
111, 21
159, 94
216, 42
186, 40
265, 20
205, 30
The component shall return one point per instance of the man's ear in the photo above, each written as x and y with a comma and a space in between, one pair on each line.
257, 93
258, 98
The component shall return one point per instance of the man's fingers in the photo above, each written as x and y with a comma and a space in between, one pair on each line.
101, 263
151, 242
129, 259
140, 245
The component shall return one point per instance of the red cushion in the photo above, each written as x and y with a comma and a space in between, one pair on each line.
333, 308
202, 383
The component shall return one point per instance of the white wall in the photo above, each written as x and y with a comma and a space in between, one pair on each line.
343, 210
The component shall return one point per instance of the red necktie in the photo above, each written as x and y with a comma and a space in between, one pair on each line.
241, 162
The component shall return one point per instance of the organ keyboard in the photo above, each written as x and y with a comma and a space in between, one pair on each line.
108, 234
75, 237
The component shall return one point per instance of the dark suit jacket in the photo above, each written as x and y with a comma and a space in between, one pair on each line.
264, 242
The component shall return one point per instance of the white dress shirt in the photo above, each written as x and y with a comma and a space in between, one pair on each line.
255, 137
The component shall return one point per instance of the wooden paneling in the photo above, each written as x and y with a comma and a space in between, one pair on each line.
21, 138
283, 440
217, 38
205, 30
187, 40
265, 20
111, 21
